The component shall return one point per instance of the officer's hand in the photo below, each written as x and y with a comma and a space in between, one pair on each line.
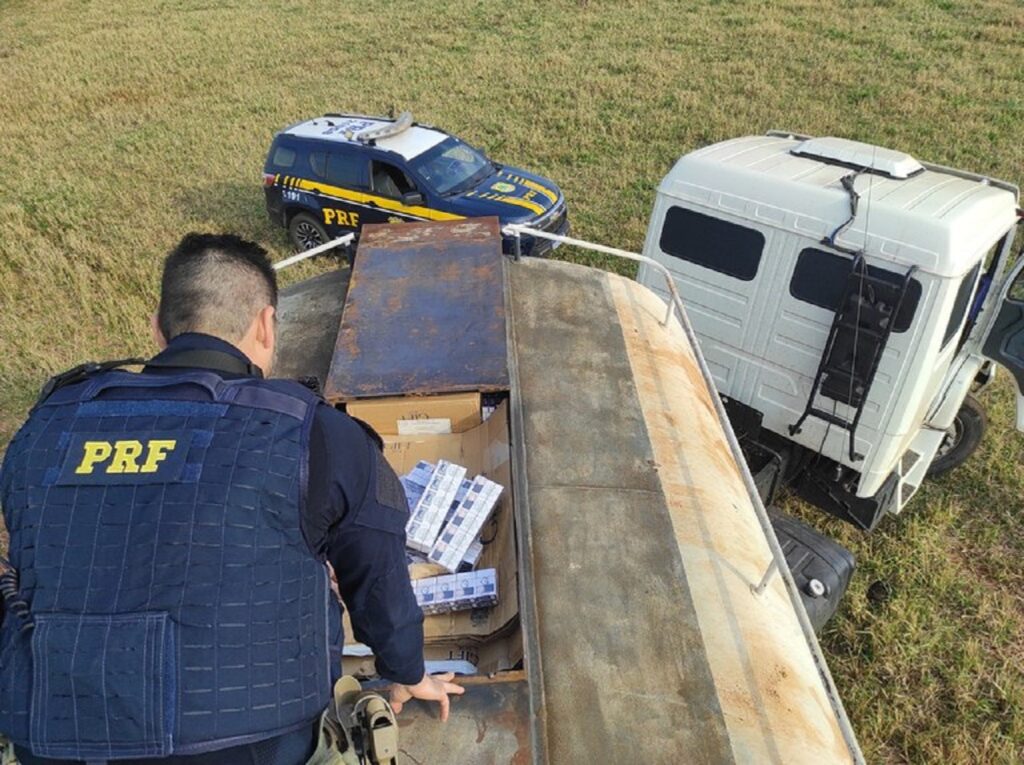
430, 688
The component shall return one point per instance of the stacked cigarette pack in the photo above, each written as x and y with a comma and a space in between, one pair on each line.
432, 508
448, 514
456, 592
463, 527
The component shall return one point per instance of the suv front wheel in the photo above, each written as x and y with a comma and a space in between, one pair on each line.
306, 232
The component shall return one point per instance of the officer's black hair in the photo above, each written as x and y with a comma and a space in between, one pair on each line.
214, 283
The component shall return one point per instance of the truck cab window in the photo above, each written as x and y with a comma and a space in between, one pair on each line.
1016, 292
389, 181
712, 243
820, 277
960, 305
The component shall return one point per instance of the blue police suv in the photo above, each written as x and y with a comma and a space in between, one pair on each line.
328, 176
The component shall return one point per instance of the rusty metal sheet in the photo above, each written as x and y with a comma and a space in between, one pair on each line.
425, 312
488, 725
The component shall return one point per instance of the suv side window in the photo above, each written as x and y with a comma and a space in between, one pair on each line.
390, 181
283, 157
318, 163
343, 169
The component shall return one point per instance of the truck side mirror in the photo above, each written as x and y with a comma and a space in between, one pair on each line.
412, 198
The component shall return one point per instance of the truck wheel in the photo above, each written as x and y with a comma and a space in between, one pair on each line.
306, 232
962, 438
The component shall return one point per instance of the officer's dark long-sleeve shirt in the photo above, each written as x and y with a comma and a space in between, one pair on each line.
351, 519
354, 517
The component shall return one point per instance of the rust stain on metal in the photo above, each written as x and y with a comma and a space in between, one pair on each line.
775, 705
425, 313
519, 725
488, 724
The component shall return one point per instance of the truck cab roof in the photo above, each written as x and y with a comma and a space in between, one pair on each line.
916, 214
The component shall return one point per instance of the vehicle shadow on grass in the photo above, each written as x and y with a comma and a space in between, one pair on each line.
231, 207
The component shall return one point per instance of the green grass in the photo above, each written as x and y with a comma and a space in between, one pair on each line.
125, 124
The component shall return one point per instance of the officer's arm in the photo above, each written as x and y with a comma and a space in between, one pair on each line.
356, 519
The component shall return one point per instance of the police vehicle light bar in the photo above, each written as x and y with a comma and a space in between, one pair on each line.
401, 124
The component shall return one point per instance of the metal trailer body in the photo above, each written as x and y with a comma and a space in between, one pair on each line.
761, 291
657, 619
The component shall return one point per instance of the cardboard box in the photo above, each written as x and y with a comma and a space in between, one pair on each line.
462, 410
481, 450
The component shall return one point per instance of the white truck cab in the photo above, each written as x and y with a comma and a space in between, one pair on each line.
847, 299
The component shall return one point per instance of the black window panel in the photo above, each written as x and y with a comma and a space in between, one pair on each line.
283, 157
712, 243
963, 300
318, 163
345, 170
820, 279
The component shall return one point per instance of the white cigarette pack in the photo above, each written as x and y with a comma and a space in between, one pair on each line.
428, 516
457, 592
463, 528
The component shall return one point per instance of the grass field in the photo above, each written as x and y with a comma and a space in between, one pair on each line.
125, 124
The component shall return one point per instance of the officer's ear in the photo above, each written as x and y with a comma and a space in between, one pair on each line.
266, 327
158, 335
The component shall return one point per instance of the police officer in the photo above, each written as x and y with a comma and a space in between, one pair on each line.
167, 598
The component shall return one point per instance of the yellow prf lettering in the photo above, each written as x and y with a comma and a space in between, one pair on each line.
126, 455
341, 217
157, 453
92, 452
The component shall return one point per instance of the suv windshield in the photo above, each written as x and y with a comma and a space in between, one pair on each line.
452, 166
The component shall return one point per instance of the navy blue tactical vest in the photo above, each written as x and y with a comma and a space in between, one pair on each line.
174, 606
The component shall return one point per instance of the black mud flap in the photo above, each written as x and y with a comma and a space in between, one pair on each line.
821, 567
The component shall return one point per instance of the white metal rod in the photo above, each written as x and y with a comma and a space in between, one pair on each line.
515, 229
305, 254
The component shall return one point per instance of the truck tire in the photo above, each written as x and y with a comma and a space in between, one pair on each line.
962, 438
306, 232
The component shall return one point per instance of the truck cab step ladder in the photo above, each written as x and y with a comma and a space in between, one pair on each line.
866, 316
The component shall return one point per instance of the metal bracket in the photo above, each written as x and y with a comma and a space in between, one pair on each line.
770, 572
